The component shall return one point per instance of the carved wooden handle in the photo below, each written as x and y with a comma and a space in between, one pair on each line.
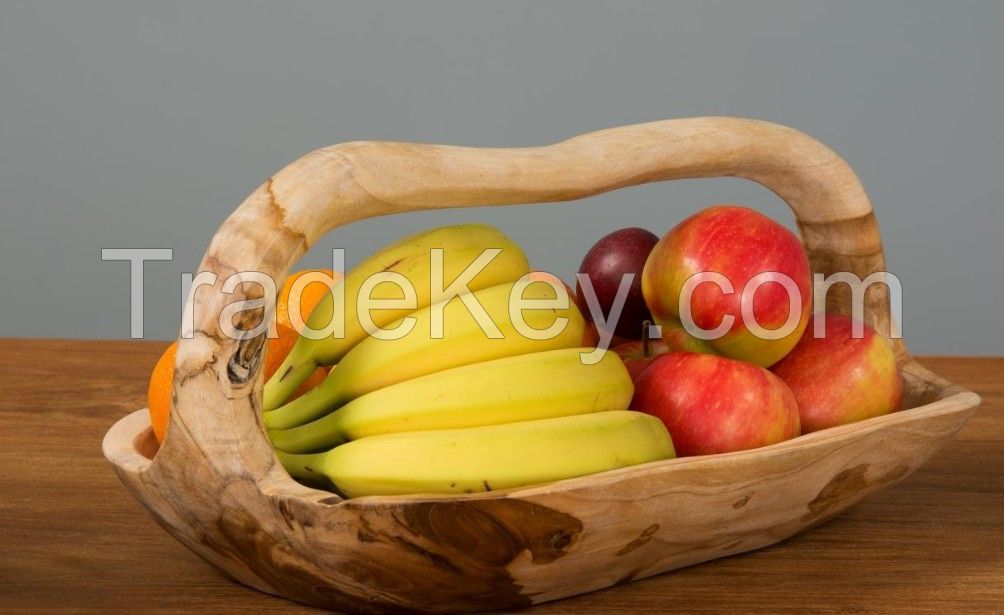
217, 392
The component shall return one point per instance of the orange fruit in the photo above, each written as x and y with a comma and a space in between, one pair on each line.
276, 353
312, 294
158, 396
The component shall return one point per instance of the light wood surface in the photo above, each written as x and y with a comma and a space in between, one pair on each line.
72, 540
216, 486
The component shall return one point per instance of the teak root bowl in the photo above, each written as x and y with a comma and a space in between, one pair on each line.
216, 486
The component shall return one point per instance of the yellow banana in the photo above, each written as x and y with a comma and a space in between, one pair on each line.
521, 388
486, 458
458, 339
412, 258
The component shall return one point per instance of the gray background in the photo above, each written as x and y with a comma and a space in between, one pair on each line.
135, 124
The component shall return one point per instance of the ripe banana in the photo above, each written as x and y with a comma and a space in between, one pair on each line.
376, 363
411, 257
486, 458
526, 387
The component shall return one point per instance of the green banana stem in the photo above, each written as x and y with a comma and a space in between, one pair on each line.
313, 404
309, 467
321, 434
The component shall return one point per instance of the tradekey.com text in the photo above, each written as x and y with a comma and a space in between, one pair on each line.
195, 291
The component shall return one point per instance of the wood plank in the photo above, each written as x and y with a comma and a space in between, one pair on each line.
73, 539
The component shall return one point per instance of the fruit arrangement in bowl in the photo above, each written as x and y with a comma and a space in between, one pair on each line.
475, 373
696, 345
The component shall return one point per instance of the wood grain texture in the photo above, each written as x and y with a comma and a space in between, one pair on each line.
216, 486
73, 541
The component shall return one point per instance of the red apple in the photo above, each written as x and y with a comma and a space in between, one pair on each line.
712, 404
638, 354
590, 336
539, 275
615, 255
739, 244
840, 379
675, 337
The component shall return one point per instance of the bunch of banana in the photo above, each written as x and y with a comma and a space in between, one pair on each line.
486, 458
459, 339
527, 387
412, 257
485, 390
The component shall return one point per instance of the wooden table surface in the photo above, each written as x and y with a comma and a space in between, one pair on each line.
73, 540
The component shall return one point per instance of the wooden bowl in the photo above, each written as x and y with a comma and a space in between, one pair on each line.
216, 486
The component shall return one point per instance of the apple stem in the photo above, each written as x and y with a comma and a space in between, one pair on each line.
645, 351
